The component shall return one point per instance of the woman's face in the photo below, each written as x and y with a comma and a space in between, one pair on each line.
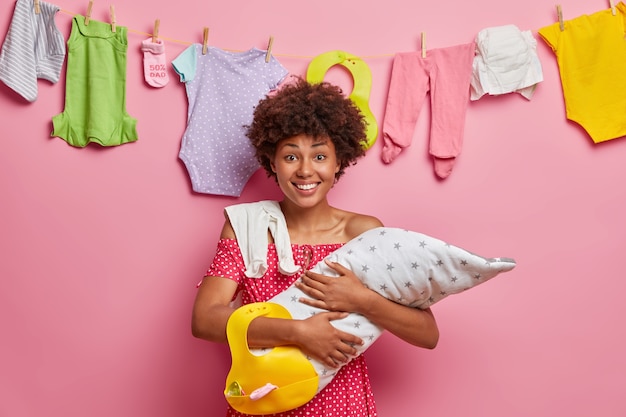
305, 168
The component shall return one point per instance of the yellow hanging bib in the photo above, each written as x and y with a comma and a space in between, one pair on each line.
285, 367
362, 77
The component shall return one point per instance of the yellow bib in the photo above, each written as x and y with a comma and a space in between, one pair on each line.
286, 367
362, 78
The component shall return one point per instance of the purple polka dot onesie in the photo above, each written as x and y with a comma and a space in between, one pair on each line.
223, 89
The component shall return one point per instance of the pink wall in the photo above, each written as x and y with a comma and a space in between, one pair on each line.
102, 248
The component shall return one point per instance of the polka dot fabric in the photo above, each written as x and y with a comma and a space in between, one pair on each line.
350, 392
223, 88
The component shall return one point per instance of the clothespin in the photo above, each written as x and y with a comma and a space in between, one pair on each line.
88, 15
205, 40
113, 22
423, 44
155, 32
612, 4
268, 55
38, 10
559, 13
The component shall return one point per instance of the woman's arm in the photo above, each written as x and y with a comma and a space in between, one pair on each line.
315, 336
211, 307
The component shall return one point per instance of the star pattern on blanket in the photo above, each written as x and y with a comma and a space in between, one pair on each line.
435, 257
406, 267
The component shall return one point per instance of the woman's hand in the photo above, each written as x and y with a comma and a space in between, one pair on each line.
346, 293
319, 339
343, 293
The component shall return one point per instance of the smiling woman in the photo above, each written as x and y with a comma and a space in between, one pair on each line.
306, 136
305, 166
101, 249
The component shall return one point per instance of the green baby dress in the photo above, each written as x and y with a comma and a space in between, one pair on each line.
95, 91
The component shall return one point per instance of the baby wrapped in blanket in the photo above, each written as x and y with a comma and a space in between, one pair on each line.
407, 267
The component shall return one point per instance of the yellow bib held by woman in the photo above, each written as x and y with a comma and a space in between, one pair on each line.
285, 367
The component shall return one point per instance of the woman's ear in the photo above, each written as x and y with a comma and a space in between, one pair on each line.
273, 166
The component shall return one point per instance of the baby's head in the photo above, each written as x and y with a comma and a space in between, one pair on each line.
318, 110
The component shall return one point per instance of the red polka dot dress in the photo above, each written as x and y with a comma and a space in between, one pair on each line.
349, 394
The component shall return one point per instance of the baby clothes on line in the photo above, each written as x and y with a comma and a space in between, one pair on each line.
34, 48
506, 61
445, 73
95, 92
154, 63
591, 57
222, 87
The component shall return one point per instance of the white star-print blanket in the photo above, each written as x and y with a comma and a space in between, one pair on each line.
402, 265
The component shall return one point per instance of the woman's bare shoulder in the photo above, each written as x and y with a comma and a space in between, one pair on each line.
227, 230
359, 223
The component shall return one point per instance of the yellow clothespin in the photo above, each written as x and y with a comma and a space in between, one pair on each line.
268, 55
155, 32
205, 40
423, 44
559, 13
38, 10
88, 15
113, 22
612, 4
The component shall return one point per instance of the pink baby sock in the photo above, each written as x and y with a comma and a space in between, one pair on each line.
154, 63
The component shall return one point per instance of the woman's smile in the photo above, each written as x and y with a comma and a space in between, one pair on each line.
306, 187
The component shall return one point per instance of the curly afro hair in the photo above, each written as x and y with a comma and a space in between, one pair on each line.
319, 110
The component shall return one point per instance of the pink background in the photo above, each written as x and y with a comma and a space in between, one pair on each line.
102, 248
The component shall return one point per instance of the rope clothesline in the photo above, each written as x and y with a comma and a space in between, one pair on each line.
186, 43
181, 42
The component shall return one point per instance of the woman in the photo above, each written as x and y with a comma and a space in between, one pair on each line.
305, 137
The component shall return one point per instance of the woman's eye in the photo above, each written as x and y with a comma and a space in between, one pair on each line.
290, 157
320, 157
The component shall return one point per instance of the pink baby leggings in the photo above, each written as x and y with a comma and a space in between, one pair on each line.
446, 74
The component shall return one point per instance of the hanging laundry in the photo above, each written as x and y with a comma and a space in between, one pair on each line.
444, 73
591, 56
33, 48
154, 63
95, 91
223, 88
506, 61
362, 79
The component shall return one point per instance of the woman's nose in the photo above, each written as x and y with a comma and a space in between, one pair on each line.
305, 169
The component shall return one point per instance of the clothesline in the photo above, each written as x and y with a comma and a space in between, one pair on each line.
187, 43
559, 13
522, 74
